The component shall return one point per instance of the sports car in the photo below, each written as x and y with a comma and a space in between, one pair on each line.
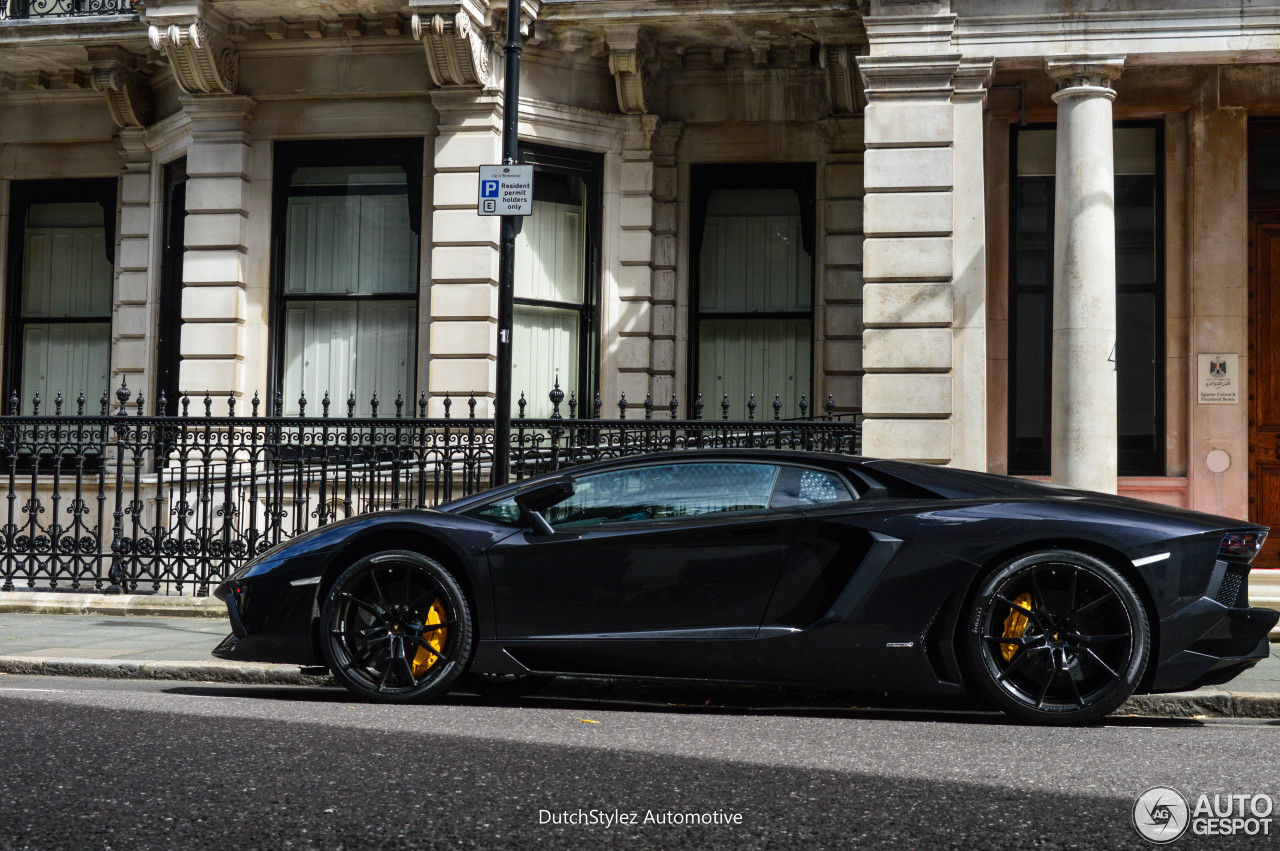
777, 567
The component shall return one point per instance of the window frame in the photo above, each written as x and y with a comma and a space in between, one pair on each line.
773, 507
589, 167
705, 178
406, 152
1131, 462
22, 195
172, 252
1259, 127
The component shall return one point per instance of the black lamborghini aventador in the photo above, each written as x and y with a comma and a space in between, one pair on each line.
770, 567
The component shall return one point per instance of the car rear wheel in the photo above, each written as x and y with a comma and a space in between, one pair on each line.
397, 628
1057, 637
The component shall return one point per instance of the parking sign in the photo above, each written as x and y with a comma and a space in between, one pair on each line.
505, 190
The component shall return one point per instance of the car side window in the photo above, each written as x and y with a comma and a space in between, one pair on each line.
663, 491
801, 487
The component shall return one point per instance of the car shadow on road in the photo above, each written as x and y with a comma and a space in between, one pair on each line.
601, 699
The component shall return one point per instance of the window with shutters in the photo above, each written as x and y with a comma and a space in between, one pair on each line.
557, 279
347, 235
752, 252
61, 269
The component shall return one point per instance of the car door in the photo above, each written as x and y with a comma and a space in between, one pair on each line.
675, 549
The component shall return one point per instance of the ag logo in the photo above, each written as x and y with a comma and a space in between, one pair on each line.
1161, 814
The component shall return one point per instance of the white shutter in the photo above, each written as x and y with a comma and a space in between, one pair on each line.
64, 357
544, 348
760, 356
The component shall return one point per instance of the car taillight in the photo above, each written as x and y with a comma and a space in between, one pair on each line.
1241, 546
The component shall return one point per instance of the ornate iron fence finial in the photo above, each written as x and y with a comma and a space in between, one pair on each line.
557, 396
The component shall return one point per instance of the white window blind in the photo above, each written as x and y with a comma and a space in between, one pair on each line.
550, 269
755, 301
65, 275
349, 250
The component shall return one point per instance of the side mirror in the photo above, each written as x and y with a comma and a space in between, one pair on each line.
537, 499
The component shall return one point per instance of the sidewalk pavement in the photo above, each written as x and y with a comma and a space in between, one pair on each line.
123, 637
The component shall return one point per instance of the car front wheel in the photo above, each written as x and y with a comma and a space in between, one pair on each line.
397, 628
1057, 637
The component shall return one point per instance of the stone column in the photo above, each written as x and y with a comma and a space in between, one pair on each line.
641, 336
132, 316
666, 191
1217, 267
634, 321
214, 298
1083, 447
969, 276
464, 253
907, 265
840, 305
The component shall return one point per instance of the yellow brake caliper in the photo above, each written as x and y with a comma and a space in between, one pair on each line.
1015, 624
424, 658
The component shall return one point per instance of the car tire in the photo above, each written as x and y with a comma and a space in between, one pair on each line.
397, 628
1056, 637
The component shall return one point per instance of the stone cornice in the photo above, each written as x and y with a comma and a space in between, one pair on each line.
194, 39
455, 37
219, 118
1207, 35
627, 67
971, 78
844, 88
900, 35
128, 95
908, 77
653, 11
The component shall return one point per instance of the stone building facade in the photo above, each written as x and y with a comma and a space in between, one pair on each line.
1033, 237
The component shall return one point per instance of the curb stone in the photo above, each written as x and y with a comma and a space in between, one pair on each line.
1210, 703
152, 605
245, 673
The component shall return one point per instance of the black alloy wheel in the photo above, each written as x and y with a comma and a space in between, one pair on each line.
397, 628
1057, 637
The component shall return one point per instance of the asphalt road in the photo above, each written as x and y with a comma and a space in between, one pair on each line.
92, 764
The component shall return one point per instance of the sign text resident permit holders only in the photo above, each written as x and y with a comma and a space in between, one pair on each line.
506, 190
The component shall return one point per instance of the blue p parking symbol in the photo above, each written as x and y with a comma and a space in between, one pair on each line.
488, 195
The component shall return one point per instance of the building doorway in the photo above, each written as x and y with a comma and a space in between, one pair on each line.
1264, 332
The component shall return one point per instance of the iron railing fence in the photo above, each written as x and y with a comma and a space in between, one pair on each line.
33, 9
129, 502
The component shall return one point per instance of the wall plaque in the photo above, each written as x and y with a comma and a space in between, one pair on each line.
1219, 379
